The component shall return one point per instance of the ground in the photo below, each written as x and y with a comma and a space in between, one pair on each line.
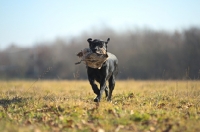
68, 106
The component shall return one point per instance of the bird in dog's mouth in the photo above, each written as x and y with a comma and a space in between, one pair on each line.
93, 59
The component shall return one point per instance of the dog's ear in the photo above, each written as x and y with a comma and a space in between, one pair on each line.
89, 40
107, 40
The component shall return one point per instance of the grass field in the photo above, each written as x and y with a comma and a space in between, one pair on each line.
163, 106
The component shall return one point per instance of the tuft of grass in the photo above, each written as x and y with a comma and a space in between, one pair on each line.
68, 106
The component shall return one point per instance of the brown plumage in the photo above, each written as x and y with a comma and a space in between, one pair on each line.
93, 60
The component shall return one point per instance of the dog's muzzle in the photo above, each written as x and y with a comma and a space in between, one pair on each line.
99, 51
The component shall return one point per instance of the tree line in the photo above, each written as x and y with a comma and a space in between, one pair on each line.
142, 54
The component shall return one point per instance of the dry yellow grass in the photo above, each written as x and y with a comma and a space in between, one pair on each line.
68, 106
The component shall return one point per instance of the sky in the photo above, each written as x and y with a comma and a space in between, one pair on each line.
27, 22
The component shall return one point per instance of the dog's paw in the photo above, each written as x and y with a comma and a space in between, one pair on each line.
96, 99
109, 100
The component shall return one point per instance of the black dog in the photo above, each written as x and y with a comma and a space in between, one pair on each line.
107, 72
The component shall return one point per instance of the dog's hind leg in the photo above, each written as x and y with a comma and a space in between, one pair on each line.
111, 87
106, 91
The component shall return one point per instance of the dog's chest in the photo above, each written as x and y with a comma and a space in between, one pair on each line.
97, 74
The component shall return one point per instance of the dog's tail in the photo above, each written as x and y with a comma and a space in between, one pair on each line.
107, 40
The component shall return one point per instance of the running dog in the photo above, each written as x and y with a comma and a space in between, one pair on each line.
107, 72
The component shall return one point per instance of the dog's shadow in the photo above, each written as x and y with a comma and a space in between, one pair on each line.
6, 102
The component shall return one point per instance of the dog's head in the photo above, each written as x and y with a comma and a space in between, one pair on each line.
98, 46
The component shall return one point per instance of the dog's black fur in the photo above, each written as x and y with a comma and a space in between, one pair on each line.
108, 71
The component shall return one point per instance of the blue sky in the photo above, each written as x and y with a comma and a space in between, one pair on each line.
27, 22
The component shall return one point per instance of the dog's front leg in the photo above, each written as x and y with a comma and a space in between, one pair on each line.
102, 89
94, 86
